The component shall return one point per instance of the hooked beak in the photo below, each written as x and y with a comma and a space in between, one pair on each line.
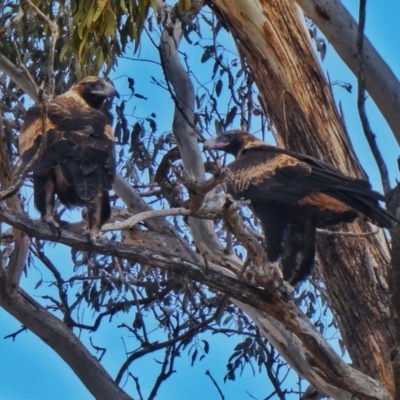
214, 143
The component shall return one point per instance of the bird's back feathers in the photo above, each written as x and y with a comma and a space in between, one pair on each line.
78, 138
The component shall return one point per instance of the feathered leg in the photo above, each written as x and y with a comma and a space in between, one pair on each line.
99, 212
44, 196
274, 220
299, 250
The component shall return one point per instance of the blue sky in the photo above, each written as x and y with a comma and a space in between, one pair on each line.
29, 369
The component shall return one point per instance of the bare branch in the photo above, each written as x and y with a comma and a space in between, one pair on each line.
132, 221
18, 75
15, 334
350, 234
183, 128
208, 373
54, 36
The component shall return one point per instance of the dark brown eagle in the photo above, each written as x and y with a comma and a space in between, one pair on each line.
293, 194
78, 163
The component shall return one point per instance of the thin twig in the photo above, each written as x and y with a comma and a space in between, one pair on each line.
170, 342
14, 335
371, 138
97, 348
137, 384
54, 36
208, 373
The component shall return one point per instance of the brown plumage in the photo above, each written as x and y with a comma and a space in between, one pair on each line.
78, 163
293, 194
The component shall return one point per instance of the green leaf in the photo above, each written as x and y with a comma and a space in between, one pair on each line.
89, 18
64, 50
101, 4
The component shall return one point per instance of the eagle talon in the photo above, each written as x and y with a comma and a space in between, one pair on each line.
54, 226
51, 221
94, 236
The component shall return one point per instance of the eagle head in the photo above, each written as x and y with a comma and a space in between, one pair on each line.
95, 90
232, 142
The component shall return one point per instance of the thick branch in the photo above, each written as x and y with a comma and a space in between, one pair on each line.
183, 126
21, 240
340, 28
19, 77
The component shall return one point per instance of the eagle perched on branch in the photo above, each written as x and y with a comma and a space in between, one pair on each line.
78, 162
293, 194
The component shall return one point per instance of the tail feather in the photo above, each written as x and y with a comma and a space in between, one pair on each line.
87, 186
367, 204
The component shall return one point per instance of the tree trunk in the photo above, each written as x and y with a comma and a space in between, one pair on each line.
273, 37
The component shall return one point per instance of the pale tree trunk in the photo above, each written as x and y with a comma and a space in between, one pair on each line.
296, 97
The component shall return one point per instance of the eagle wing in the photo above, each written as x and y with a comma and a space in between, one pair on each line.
270, 174
78, 139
